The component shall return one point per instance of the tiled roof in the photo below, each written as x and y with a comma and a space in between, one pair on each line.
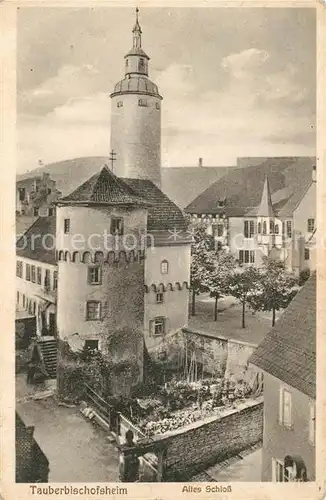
288, 352
38, 242
105, 187
163, 214
242, 187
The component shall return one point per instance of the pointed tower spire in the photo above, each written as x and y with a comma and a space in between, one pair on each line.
137, 32
265, 208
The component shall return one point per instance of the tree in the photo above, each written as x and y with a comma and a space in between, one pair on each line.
276, 288
241, 284
220, 266
201, 247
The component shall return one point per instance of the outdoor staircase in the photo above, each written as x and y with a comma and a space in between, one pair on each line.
48, 350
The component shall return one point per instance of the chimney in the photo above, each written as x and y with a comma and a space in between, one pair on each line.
200, 162
314, 174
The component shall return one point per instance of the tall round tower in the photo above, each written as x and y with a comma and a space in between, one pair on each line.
136, 118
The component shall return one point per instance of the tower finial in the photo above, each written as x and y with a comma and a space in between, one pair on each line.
137, 31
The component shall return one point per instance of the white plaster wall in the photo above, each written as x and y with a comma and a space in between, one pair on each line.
136, 137
178, 258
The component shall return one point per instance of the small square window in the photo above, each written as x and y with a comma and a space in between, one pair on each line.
93, 310
91, 345
119, 104
159, 298
94, 275
142, 103
164, 267
116, 226
67, 226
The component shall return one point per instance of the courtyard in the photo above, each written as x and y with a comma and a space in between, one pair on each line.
228, 324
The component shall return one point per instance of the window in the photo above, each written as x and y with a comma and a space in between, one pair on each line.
285, 408
264, 227
39, 275
164, 267
66, 224
157, 105
142, 102
218, 230
33, 274
22, 194
35, 211
289, 228
93, 310
282, 474
246, 256
277, 229
119, 104
141, 64
259, 227
49, 191
249, 228
17, 297
94, 275
47, 279
55, 280
117, 226
221, 202
127, 63
312, 422
34, 308
311, 225
306, 254
50, 212
91, 345
28, 272
30, 307
19, 268
159, 298
24, 298
271, 227
158, 326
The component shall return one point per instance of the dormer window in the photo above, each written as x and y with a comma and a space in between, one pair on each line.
221, 202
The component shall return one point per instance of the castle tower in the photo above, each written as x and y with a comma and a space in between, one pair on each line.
136, 118
101, 277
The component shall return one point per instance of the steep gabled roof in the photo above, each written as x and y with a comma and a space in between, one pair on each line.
288, 352
104, 188
38, 242
265, 208
163, 214
242, 187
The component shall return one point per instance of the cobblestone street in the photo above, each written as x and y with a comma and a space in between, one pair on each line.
76, 449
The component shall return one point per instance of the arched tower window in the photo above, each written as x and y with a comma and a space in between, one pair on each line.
271, 226
264, 227
259, 227
277, 229
164, 267
141, 64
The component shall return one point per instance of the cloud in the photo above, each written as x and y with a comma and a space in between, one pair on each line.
70, 82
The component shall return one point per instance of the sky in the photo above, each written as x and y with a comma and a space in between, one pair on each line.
235, 81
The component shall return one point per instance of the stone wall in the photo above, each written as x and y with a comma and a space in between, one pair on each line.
193, 448
219, 356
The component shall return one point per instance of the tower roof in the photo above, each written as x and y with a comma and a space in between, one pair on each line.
104, 188
265, 209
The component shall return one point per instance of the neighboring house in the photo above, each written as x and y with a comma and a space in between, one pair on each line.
266, 209
35, 196
32, 466
287, 357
